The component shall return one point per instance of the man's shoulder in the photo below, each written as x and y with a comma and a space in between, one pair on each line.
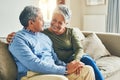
20, 32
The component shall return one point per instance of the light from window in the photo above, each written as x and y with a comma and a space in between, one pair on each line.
47, 7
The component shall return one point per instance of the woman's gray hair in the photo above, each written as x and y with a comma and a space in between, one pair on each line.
28, 13
63, 9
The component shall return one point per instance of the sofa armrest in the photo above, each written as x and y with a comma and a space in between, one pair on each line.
110, 40
8, 68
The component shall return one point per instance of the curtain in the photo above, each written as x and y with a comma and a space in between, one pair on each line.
113, 16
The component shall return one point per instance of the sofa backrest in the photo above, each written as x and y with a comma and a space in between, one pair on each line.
110, 40
8, 69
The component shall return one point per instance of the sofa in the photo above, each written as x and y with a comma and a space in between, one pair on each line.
108, 63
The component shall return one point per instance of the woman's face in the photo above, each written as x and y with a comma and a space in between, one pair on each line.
58, 23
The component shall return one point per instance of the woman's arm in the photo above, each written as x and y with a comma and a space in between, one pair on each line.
77, 46
10, 37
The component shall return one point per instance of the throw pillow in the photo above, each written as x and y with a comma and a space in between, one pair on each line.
8, 70
94, 47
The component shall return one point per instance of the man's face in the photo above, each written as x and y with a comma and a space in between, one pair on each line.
57, 23
37, 24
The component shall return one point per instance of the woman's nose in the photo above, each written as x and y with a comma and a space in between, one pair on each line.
56, 23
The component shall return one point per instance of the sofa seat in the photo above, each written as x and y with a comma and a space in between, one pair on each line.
109, 65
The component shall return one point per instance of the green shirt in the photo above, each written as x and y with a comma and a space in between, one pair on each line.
67, 46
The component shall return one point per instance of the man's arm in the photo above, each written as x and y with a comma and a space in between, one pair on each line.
20, 50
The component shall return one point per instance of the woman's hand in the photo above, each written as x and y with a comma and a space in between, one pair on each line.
74, 67
10, 37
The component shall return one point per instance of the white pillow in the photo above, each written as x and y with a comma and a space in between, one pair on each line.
93, 46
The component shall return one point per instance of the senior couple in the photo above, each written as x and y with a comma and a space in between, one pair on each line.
52, 53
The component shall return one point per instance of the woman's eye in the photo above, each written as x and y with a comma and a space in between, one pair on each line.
54, 20
60, 23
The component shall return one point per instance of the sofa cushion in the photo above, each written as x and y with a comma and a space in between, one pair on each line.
8, 70
94, 47
109, 65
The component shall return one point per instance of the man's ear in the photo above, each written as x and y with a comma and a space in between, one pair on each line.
30, 22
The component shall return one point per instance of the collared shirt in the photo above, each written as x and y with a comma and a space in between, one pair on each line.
33, 51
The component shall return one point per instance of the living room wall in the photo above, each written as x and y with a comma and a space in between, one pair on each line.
9, 13
11, 9
76, 7
80, 9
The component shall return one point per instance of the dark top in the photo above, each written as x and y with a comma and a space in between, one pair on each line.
67, 46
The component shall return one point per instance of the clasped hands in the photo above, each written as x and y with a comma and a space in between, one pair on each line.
74, 67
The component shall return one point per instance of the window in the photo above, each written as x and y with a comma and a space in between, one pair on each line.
47, 7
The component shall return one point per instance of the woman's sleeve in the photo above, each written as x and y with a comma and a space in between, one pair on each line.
57, 60
77, 46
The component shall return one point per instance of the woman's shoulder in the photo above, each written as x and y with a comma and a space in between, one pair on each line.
71, 29
45, 31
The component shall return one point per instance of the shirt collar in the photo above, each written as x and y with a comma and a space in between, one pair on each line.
29, 31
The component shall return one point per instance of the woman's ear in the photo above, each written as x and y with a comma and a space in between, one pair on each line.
66, 23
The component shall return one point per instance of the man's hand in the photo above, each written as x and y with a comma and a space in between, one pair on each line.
74, 67
10, 37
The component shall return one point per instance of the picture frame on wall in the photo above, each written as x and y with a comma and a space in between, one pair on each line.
95, 2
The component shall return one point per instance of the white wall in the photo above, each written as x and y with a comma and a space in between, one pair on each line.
10, 10
80, 9
9, 15
76, 13
95, 23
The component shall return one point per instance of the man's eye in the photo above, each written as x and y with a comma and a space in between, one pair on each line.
41, 19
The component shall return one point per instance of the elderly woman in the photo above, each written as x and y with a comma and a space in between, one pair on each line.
66, 42
34, 55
